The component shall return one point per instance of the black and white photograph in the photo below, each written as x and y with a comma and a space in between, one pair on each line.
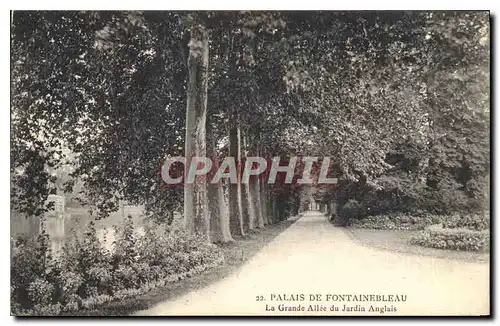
250, 163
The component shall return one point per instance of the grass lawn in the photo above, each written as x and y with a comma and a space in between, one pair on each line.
399, 241
235, 254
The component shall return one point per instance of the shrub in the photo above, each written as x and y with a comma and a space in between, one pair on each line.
436, 236
100, 278
394, 221
352, 210
86, 258
40, 292
478, 222
85, 274
30, 264
126, 243
401, 192
46, 310
389, 193
67, 284
125, 277
395, 193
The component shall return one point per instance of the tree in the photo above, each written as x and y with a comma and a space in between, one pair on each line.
195, 193
115, 90
219, 213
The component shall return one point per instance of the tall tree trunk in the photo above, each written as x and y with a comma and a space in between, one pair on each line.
265, 198
235, 209
258, 203
249, 220
243, 196
278, 209
255, 189
249, 191
219, 215
253, 204
273, 208
245, 209
264, 201
195, 194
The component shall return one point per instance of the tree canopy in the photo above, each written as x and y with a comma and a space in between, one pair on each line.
386, 95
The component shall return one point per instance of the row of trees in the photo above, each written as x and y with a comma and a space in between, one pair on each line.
387, 95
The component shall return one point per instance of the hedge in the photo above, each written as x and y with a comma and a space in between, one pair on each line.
463, 239
395, 221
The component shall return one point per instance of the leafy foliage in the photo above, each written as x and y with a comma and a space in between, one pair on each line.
86, 273
352, 210
478, 222
101, 86
396, 221
354, 86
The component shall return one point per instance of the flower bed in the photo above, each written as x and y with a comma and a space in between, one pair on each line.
464, 239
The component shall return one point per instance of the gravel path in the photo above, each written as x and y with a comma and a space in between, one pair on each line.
312, 258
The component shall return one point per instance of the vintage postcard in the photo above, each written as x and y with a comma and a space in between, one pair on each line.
250, 163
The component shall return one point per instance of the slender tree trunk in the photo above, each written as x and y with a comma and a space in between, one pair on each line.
279, 208
253, 204
275, 209
253, 190
249, 220
333, 209
195, 194
256, 192
252, 214
235, 209
271, 216
263, 201
260, 216
244, 200
245, 207
219, 214
270, 209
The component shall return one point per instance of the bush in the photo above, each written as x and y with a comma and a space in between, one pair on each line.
87, 259
40, 292
395, 221
395, 193
476, 222
445, 199
30, 264
126, 243
86, 274
352, 210
67, 285
399, 192
389, 193
436, 236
